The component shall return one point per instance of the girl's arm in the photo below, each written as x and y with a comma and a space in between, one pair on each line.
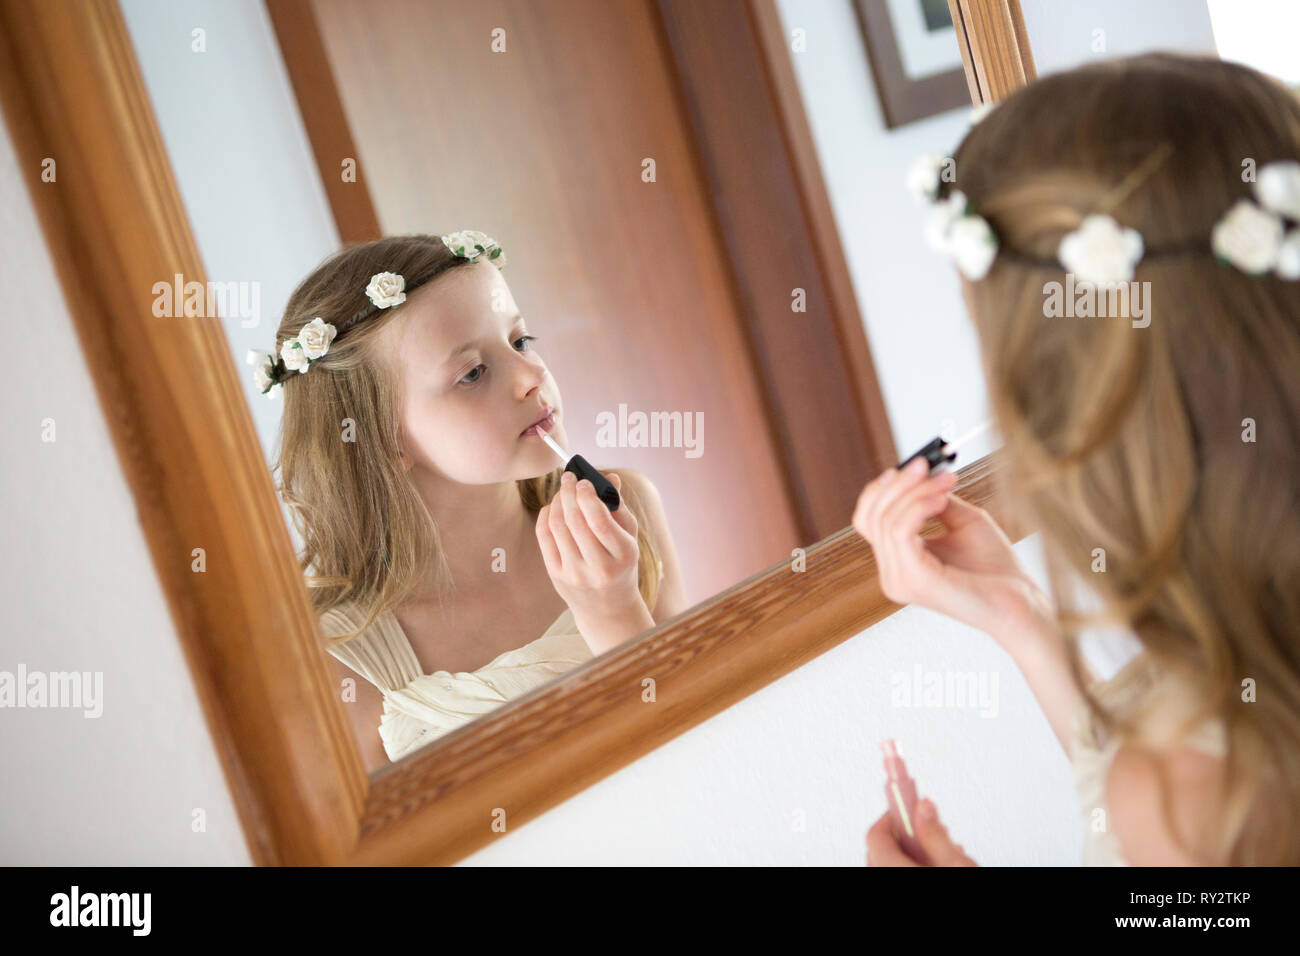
971, 573
1042, 660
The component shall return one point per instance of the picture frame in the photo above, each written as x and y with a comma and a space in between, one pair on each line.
891, 29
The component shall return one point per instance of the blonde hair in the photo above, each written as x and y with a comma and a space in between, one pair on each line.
1130, 439
368, 537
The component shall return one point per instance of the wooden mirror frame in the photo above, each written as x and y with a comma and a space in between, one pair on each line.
184, 436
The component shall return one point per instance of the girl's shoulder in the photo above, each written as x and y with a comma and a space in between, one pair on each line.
1126, 778
642, 494
638, 488
1136, 783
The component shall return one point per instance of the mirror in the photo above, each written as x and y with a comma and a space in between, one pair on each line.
695, 333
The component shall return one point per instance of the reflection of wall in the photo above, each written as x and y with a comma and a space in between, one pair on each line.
921, 340
241, 160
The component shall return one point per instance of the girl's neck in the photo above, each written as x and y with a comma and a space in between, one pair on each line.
474, 521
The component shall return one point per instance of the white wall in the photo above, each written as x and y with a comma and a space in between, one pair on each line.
923, 344
80, 594
1065, 35
245, 173
121, 789
1239, 37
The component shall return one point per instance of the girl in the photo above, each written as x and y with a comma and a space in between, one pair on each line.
1156, 454
440, 539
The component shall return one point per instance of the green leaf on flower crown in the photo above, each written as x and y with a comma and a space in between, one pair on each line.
494, 253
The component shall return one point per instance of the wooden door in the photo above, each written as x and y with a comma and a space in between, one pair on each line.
537, 122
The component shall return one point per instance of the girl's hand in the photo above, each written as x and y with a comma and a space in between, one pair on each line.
883, 848
591, 555
970, 572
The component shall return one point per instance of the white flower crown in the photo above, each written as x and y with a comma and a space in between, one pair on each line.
1251, 236
385, 290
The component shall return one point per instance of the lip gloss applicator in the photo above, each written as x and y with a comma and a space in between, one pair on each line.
940, 453
582, 468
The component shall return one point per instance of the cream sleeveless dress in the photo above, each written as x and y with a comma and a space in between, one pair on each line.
418, 707
1092, 753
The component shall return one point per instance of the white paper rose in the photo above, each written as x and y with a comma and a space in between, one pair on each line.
295, 359
262, 377
316, 337
942, 215
471, 244
973, 246
385, 289
1288, 256
1101, 250
924, 177
1248, 237
1277, 188
262, 363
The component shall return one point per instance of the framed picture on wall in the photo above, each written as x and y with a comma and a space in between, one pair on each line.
915, 58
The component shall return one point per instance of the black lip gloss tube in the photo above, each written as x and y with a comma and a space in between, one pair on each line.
937, 453
941, 452
581, 468
605, 490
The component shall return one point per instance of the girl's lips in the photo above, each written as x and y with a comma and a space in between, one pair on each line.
545, 425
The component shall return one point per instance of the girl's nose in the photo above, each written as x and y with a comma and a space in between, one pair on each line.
531, 375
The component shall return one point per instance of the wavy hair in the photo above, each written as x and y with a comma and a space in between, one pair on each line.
1131, 439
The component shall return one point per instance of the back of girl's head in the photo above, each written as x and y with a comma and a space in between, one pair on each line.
1126, 441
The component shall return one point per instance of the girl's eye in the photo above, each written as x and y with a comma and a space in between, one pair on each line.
473, 375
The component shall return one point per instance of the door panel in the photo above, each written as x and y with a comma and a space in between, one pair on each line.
625, 281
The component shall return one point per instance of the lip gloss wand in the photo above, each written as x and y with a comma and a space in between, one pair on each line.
582, 468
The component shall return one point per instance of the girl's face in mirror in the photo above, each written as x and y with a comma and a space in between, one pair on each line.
472, 382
